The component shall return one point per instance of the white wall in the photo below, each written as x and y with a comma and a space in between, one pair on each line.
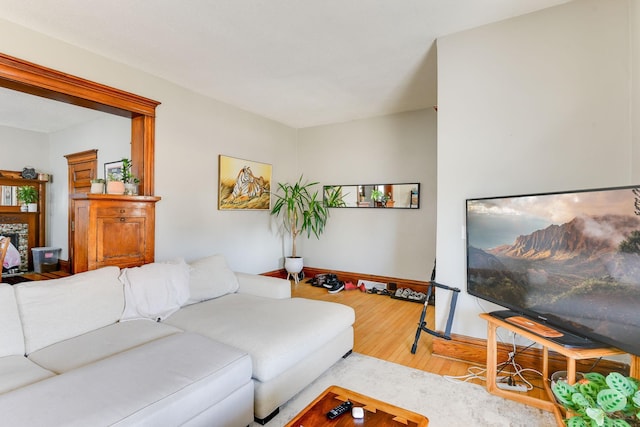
20, 148
111, 136
191, 131
534, 104
399, 148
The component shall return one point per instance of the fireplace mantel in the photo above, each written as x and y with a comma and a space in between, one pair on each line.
34, 220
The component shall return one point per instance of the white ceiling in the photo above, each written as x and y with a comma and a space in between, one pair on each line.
22, 111
300, 62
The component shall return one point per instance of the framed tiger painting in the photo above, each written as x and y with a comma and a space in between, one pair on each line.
243, 184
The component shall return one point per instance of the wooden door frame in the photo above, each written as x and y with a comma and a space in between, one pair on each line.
34, 79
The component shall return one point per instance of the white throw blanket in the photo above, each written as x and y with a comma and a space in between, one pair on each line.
154, 291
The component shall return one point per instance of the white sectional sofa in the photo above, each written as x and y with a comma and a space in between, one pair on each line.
164, 344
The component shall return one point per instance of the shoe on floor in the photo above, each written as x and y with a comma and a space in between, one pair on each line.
337, 287
362, 287
350, 286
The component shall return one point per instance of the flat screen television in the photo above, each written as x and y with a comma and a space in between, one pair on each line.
570, 260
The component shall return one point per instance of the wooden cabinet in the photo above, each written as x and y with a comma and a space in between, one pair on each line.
112, 230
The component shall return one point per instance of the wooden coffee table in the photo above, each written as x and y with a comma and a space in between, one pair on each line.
376, 413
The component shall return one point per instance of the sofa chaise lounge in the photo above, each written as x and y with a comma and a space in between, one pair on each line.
164, 344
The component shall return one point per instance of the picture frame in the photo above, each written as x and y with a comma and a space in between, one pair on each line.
243, 184
113, 169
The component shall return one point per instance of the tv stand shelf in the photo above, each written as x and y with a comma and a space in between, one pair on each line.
572, 355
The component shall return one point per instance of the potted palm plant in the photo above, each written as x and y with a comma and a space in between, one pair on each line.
302, 210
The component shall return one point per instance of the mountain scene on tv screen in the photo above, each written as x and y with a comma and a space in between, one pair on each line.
574, 254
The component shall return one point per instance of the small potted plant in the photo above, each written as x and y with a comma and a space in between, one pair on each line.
597, 400
28, 195
115, 185
129, 180
97, 186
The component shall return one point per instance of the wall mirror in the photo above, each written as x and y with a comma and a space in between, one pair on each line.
388, 196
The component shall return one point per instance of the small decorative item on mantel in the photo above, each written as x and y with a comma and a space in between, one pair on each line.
29, 173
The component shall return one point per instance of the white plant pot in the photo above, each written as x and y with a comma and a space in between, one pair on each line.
293, 265
32, 207
115, 187
131, 189
97, 187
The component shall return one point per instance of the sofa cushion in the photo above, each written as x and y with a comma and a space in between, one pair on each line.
54, 310
263, 286
147, 385
154, 291
209, 278
18, 371
11, 337
277, 333
96, 345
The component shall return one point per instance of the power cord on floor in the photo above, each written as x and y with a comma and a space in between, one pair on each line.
477, 373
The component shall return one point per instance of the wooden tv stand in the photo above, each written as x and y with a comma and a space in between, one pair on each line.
572, 355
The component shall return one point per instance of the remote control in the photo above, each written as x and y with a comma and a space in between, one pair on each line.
339, 410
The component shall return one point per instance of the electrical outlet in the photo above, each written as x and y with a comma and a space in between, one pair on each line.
515, 387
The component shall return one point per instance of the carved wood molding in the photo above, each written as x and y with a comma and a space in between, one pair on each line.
37, 80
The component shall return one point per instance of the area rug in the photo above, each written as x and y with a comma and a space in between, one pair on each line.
444, 402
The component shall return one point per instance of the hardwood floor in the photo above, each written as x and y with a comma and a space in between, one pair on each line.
385, 328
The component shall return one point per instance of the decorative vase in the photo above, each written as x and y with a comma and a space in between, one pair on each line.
32, 207
115, 187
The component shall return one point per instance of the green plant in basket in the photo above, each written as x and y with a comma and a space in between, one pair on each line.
596, 400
